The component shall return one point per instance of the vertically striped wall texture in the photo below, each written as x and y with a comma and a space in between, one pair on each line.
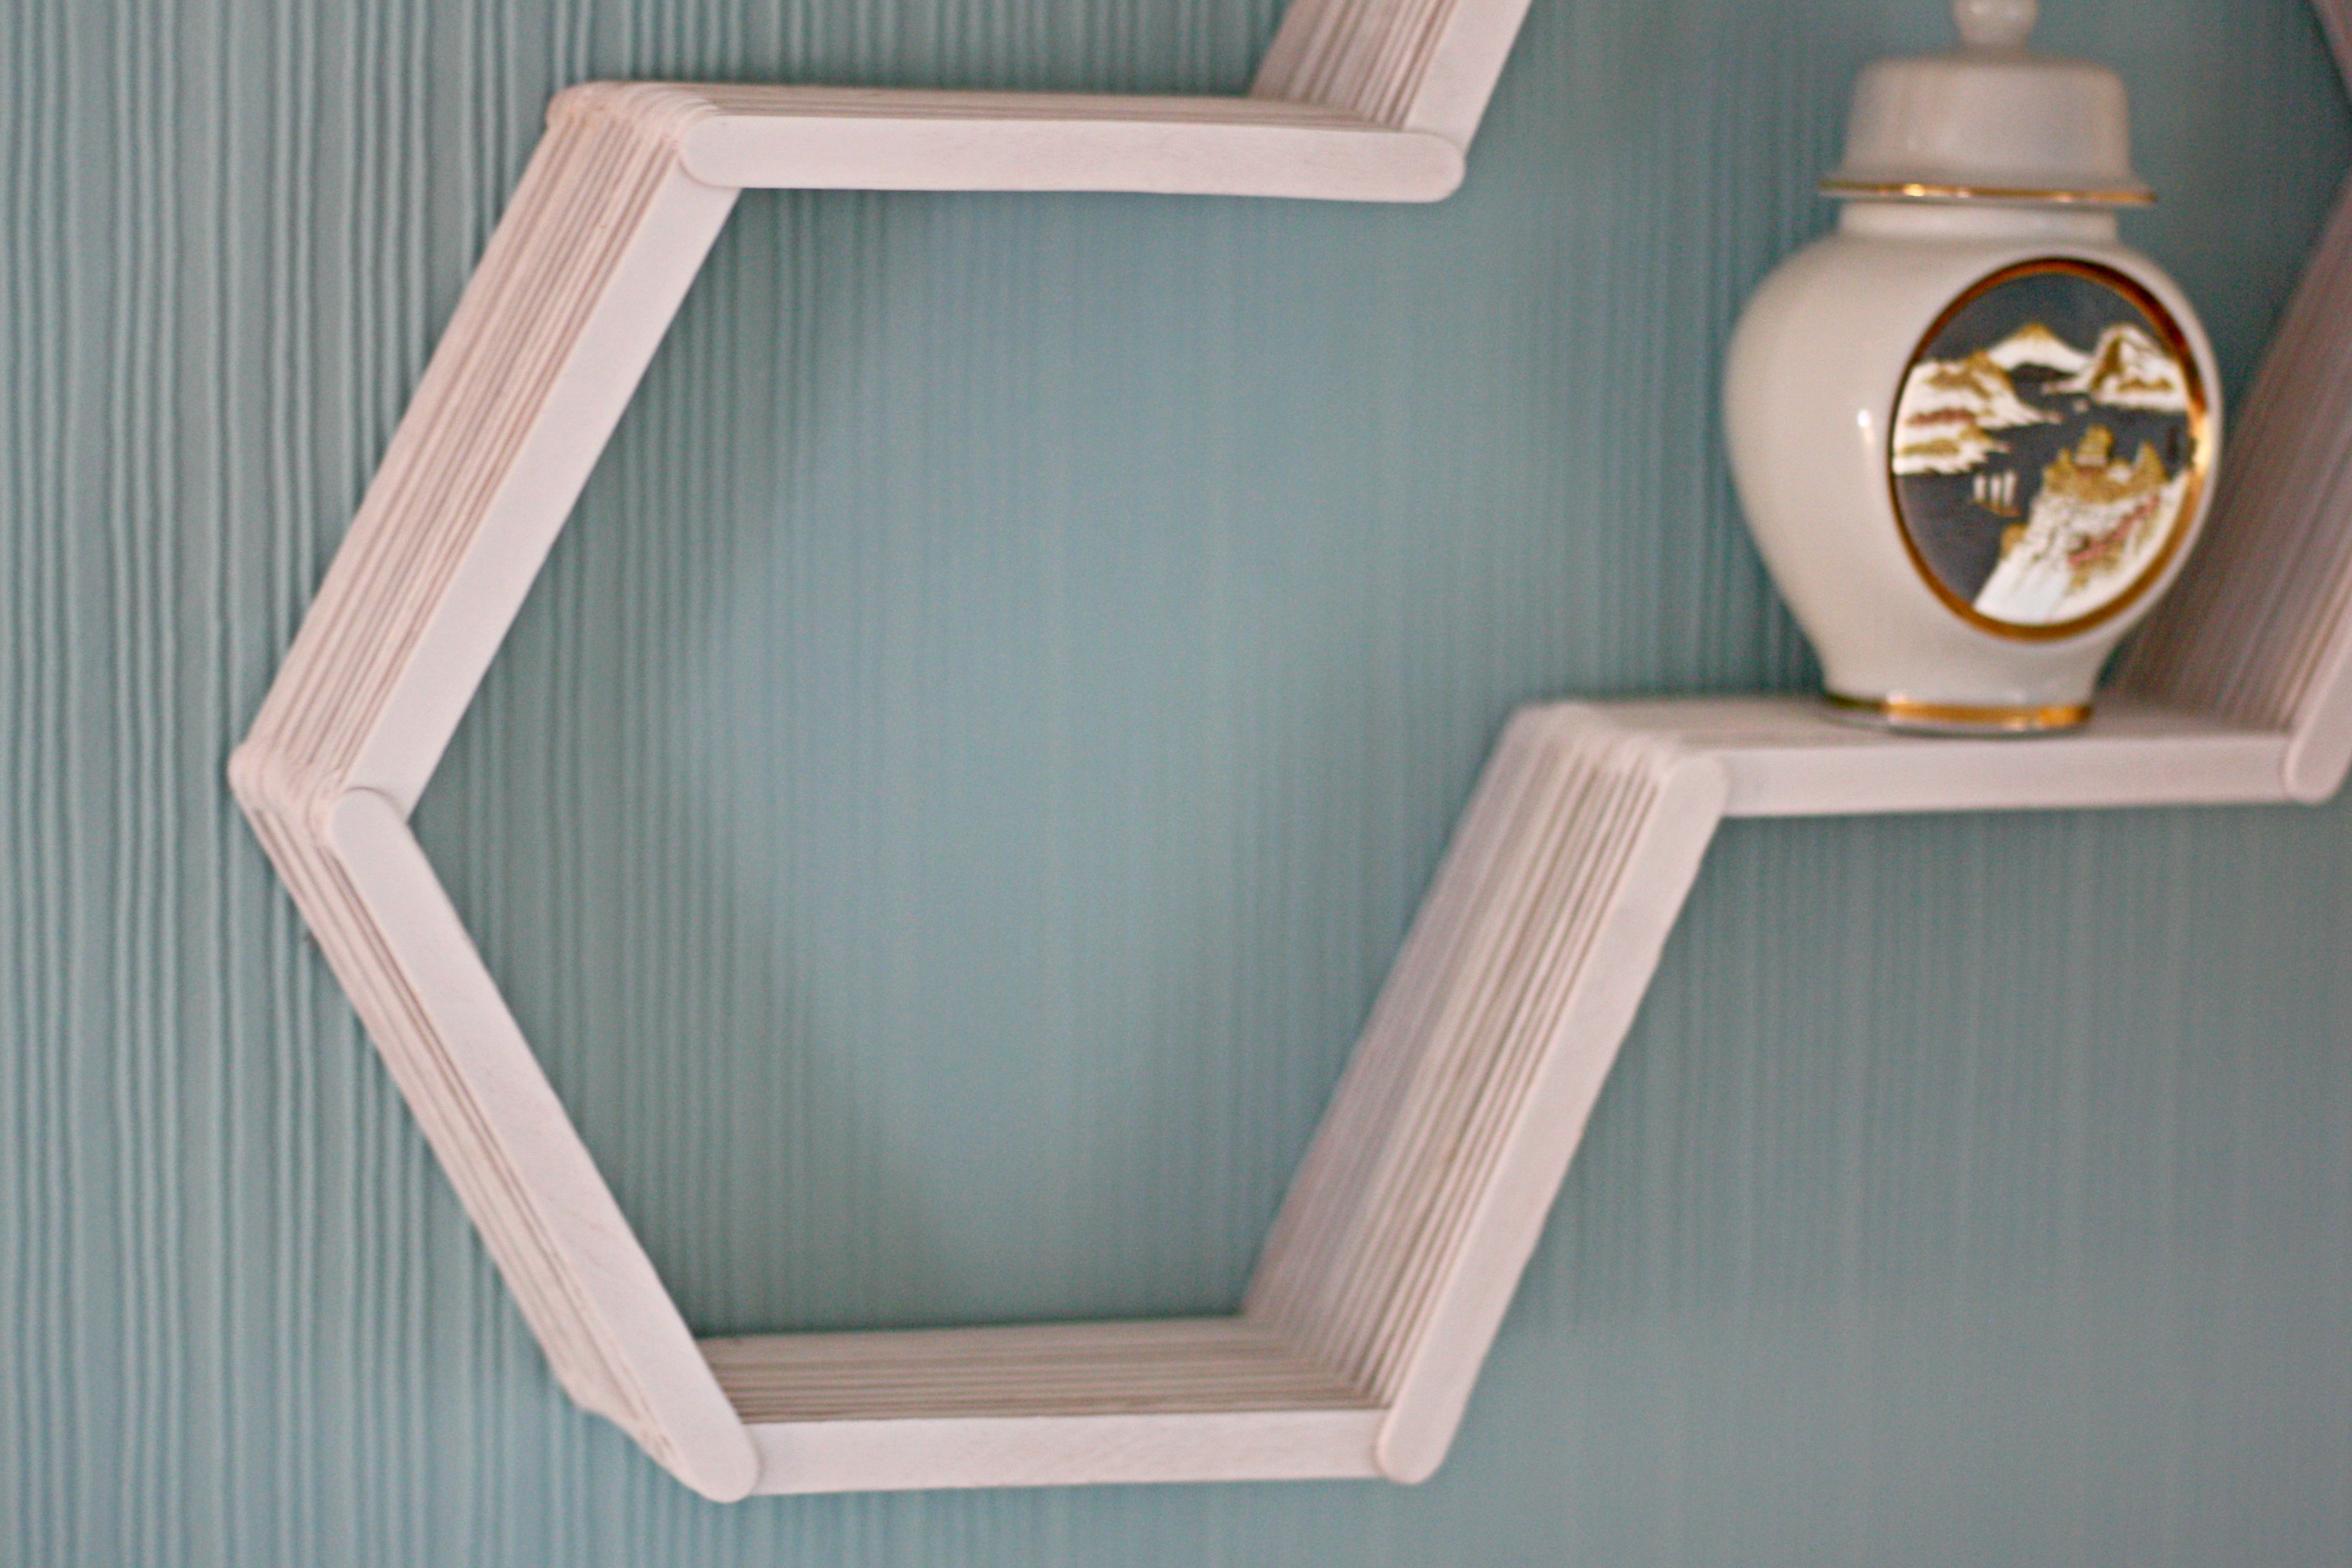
947, 809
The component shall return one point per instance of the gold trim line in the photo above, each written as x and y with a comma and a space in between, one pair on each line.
1922, 191
2002, 718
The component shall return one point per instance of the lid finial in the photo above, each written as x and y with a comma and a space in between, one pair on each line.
1995, 24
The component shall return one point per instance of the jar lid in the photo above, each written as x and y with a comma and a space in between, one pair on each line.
1989, 121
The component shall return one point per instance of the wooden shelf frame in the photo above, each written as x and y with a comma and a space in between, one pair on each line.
1396, 1253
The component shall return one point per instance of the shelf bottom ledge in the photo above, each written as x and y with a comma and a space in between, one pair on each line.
927, 1452
1156, 1400
1787, 756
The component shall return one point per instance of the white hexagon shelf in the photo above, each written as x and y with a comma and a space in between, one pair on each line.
1402, 1238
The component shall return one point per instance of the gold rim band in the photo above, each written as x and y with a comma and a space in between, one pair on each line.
1917, 191
2001, 717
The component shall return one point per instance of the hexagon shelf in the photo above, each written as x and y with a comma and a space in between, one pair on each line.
1423, 1193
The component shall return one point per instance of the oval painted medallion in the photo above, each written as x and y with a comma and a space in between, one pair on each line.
2051, 445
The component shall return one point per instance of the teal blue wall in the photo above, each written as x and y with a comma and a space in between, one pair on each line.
949, 805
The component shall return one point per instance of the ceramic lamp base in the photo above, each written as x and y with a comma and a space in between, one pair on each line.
1958, 719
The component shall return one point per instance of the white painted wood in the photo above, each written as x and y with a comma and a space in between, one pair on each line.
1573, 1003
1791, 756
573, 294
604, 235
592, 1296
1197, 1365
1414, 65
1403, 1237
860, 139
2259, 631
1065, 1450
597, 249
1057, 1404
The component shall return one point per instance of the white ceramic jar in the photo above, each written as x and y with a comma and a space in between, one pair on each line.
1973, 434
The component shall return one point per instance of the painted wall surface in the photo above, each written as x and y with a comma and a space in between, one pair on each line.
947, 807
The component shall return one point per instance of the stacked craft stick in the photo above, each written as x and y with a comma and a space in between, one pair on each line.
1426, 1188
1394, 1257
2260, 631
566, 309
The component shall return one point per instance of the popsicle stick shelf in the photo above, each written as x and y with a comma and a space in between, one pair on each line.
1422, 1196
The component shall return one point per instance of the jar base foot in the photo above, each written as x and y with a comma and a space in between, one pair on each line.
1913, 718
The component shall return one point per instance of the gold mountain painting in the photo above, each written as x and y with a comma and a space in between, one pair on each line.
2049, 447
